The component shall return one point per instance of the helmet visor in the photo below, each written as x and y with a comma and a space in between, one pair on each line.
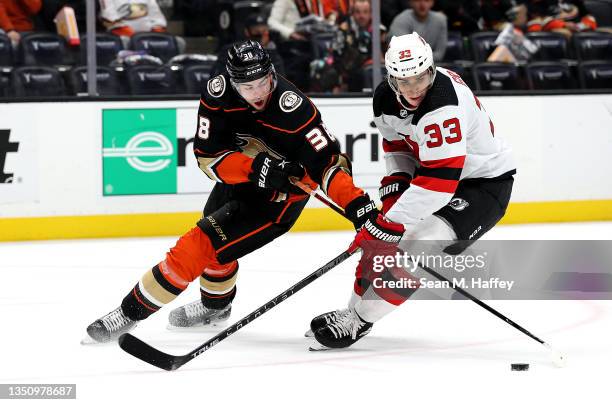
412, 86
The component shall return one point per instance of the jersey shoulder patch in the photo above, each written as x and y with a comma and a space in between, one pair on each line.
441, 94
289, 101
216, 86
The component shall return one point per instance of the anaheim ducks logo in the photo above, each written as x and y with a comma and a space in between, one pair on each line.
251, 146
289, 101
458, 204
216, 86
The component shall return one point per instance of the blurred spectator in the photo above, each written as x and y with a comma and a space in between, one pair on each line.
565, 16
496, 13
355, 51
255, 28
510, 18
463, 16
431, 25
389, 9
285, 14
50, 8
127, 17
337, 10
16, 17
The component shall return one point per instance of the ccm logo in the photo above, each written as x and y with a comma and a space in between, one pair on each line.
364, 210
264, 172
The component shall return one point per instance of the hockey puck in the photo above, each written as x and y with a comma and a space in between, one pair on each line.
519, 366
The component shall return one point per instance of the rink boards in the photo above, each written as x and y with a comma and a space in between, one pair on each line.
104, 169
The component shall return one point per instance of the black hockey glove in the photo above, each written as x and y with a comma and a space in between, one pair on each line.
360, 210
269, 172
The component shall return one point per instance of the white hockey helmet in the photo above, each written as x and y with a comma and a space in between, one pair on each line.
408, 56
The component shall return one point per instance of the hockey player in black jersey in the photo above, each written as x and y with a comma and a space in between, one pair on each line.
255, 131
449, 180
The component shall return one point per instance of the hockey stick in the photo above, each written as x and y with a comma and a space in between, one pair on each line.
169, 362
557, 358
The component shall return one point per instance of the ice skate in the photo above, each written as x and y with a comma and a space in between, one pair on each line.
109, 327
343, 332
322, 320
196, 314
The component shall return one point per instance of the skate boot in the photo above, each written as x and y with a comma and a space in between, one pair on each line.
322, 320
343, 332
196, 314
109, 327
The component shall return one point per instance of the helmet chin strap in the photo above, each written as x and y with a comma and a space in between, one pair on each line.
401, 99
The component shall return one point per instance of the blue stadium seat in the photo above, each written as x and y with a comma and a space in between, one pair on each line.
6, 51
44, 49
553, 46
454, 47
195, 77
28, 81
159, 44
496, 76
107, 47
593, 45
5, 85
482, 44
549, 76
150, 80
596, 74
106, 79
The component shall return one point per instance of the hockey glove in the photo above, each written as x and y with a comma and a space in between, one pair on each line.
360, 209
391, 188
379, 229
269, 172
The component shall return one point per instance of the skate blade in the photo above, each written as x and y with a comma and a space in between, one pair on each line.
88, 341
209, 326
318, 347
309, 333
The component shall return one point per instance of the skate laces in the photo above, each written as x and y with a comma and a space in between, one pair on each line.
348, 323
115, 320
329, 318
195, 310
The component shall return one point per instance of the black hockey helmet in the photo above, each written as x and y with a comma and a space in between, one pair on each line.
247, 61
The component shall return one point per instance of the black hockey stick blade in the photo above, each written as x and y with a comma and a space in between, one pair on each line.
145, 352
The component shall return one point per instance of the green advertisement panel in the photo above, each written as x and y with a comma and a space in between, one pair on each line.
138, 152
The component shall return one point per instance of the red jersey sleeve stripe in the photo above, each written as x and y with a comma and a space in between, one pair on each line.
456, 162
436, 184
395, 146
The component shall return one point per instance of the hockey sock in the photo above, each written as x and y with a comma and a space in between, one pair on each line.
218, 285
164, 282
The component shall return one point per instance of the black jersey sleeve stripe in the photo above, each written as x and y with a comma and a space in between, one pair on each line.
446, 173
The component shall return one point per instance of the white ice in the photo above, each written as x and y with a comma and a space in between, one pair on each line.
426, 352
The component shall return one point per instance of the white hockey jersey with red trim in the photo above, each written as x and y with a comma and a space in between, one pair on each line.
448, 138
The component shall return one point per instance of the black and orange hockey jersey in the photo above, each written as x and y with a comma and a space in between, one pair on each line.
231, 133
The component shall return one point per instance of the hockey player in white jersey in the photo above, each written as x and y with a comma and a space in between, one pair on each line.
449, 177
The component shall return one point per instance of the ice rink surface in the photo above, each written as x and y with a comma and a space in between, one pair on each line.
426, 352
